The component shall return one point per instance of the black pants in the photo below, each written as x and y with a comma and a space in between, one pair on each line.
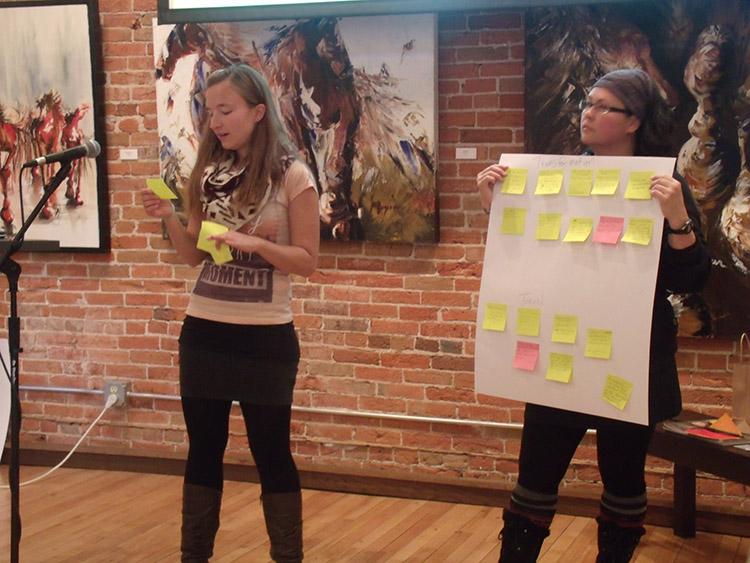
546, 452
267, 426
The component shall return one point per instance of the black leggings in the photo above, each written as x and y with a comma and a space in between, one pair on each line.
546, 451
267, 426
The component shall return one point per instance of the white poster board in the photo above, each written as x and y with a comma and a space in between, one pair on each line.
589, 286
4, 392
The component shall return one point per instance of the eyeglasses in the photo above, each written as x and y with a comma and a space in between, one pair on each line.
601, 109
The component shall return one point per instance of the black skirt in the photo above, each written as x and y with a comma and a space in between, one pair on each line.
256, 364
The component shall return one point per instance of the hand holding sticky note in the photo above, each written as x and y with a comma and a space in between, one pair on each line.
160, 188
220, 255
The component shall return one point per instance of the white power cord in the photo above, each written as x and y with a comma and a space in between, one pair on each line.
111, 401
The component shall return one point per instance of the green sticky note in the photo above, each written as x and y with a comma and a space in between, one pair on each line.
581, 181
515, 181
527, 323
549, 182
639, 231
495, 315
560, 367
548, 226
220, 255
160, 188
598, 343
639, 185
617, 391
514, 221
606, 182
565, 329
579, 229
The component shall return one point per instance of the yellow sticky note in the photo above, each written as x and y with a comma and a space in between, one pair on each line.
209, 228
527, 323
549, 182
565, 329
639, 231
598, 343
606, 182
495, 315
581, 181
514, 221
579, 229
160, 188
560, 367
548, 226
617, 391
515, 181
639, 185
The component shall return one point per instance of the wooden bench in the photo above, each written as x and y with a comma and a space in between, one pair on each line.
689, 455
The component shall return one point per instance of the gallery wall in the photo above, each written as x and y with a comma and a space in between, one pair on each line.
386, 329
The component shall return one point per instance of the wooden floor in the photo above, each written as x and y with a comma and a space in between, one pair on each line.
85, 516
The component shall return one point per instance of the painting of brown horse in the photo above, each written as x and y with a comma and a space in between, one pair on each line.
699, 55
353, 115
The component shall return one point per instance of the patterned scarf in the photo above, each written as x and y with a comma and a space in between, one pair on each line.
220, 180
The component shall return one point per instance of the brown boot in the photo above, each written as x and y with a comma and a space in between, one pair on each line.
200, 522
283, 514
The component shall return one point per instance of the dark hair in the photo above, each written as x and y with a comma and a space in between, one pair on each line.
269, 142
652, 137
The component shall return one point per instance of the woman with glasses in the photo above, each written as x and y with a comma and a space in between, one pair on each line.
623, 115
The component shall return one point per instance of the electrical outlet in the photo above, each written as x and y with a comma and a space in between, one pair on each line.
117, 388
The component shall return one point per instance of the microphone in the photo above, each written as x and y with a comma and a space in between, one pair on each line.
90, 149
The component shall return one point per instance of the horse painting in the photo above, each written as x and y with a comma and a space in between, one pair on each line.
367, 145
699, 55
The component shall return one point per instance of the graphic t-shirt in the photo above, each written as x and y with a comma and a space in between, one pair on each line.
247, 290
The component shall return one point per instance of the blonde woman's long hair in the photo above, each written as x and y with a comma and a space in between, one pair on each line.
269, 144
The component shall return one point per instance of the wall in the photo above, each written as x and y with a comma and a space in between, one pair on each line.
384, 328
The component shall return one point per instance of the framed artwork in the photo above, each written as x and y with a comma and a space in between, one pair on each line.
51, 100
357, 96
698, 53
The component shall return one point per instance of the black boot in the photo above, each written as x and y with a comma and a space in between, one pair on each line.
522, 539
617, 543
283, 515
200, 522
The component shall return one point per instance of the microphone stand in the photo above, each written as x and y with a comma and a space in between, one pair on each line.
12, 271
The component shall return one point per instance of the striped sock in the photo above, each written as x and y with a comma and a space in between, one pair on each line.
538, 507
623, 511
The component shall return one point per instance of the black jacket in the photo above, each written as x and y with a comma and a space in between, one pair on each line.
680, 271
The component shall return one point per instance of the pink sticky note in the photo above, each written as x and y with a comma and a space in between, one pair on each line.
711, 434
527, 354
609, 229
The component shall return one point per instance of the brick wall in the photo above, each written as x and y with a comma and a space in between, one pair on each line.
384, 328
